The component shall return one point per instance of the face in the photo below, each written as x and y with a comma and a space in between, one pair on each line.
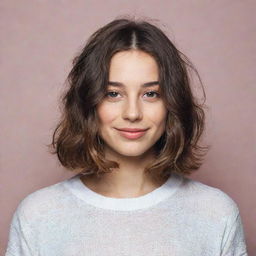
133, 101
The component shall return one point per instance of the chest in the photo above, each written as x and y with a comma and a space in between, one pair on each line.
140, 235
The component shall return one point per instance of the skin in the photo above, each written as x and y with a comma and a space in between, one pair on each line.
130, 106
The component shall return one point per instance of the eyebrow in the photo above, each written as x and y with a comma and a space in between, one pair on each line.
148, 84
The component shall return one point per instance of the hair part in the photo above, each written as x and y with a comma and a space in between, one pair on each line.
76, 139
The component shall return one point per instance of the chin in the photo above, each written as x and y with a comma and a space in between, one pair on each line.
132, 152
129, 150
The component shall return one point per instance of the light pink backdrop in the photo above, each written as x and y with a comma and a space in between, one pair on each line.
38, 41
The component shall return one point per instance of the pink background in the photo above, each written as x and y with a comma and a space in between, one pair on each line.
39, 39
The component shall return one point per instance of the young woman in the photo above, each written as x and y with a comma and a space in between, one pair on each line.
130, 130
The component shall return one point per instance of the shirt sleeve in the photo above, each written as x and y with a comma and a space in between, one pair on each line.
20, 236
233, 243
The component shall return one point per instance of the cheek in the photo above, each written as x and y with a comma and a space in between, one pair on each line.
160, 120
107, 113
158, 115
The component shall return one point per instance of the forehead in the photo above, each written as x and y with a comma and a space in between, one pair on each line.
132, 65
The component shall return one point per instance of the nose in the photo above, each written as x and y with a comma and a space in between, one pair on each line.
132, 110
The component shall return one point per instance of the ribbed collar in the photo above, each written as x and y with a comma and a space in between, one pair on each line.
167, 189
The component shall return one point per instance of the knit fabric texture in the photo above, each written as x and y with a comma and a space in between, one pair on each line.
182, 217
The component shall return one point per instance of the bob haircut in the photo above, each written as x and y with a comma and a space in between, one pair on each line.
76, 139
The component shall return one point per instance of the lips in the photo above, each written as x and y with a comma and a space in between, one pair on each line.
132, 133
131, 129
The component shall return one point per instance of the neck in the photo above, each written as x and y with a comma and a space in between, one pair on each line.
129, 180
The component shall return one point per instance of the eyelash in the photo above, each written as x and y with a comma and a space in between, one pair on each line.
156, 93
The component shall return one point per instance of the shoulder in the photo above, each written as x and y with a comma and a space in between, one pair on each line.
207, 198
42, 202
215, 212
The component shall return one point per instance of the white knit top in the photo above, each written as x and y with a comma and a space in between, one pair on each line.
182, 217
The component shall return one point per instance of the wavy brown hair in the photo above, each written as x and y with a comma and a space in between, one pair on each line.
76, 140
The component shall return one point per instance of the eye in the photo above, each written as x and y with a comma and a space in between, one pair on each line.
153, 93
150, 94
112, 94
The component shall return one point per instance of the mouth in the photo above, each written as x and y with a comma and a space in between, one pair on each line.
132, 133
131, 129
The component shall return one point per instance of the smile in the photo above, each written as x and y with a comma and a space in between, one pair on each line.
132, 135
